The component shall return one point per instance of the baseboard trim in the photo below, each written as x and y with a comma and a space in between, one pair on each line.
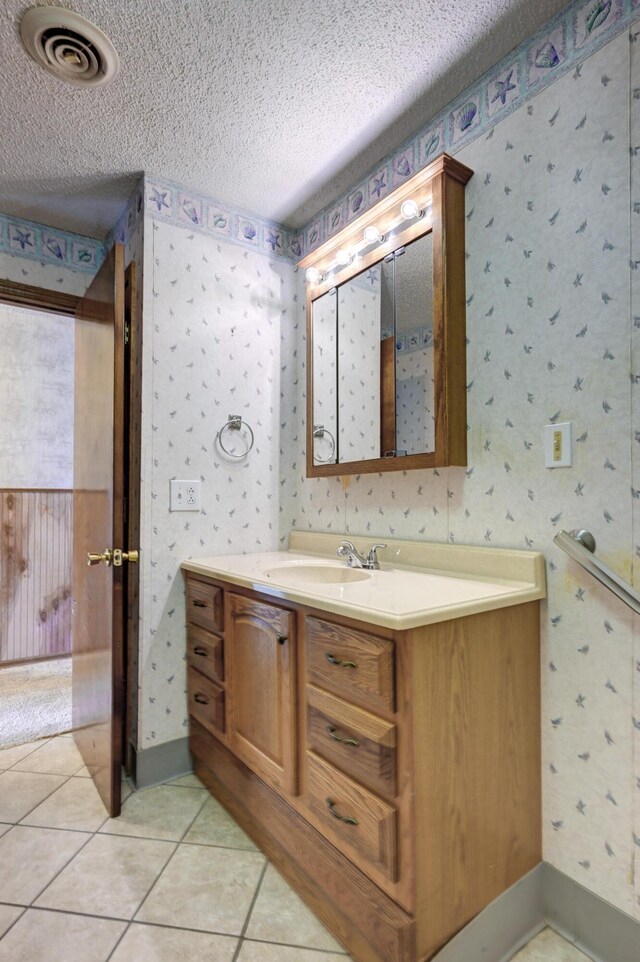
544, 897
162, 762
596, 927
503, 927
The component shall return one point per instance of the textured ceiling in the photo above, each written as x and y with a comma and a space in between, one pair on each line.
272, 105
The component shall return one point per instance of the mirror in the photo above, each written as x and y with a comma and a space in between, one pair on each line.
325, 372
414, 386
386, 339
373, 361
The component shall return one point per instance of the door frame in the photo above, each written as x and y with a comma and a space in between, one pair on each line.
49, 301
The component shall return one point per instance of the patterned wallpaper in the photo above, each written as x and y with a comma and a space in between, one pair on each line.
23, 270
548, 290
557, 48
553, 327
36, 399
213, 319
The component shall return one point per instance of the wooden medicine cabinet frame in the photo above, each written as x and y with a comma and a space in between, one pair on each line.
438, 189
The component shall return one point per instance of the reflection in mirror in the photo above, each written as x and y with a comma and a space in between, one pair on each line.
325, 386
359, 326
414, 384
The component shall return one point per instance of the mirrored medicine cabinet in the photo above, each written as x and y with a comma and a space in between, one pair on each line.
386, 333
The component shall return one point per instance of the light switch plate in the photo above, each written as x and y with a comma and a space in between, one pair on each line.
557, 445
185, 496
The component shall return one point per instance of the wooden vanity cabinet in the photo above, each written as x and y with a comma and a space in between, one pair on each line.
392, 777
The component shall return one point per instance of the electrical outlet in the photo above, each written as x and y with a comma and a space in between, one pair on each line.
557, 445
185, 496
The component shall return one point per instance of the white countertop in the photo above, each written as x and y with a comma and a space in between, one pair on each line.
418, 583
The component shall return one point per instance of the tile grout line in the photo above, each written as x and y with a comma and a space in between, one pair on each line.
52, 880
24, 909
44, 799
251, 907
156, 880
169, 860
119, 940
166, 925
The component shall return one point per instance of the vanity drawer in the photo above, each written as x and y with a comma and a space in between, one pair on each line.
354, 819
204, 604
206, 701
351, 663
205, 653
353, 740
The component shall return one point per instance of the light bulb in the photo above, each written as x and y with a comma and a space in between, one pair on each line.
372, 235
409, 209
344, 257
313, 275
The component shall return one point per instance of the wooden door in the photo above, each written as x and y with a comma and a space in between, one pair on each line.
261, 662
98, 524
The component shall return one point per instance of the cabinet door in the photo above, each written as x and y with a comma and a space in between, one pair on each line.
261, 683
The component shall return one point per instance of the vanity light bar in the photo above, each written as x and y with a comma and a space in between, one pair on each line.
409, 210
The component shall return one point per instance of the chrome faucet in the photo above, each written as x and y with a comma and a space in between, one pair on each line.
355, 560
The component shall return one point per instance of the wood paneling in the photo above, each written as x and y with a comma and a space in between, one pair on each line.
35, 574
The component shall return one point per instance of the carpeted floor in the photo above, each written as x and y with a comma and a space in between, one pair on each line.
35, 700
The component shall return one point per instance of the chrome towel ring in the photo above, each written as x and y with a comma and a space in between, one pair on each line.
319, 431
235, 423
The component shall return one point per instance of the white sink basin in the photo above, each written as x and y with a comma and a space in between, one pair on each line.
316, 574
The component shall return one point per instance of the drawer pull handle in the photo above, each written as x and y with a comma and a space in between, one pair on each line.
200, 699
281, 639
347, 819
198, 650
199, 604
341, 738
336, 661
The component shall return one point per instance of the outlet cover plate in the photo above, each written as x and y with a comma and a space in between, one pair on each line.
184, 496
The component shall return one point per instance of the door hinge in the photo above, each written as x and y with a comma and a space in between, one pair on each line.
127, 332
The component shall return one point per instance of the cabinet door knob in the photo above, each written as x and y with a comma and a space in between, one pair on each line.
281, 639
198, 650
200, 699
333, 733
336, 661
347, 819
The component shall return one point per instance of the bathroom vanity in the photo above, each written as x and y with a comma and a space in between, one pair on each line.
377, 733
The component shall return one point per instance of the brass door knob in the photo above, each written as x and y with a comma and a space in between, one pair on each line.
95, 559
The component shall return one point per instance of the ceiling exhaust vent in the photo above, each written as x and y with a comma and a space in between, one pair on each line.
69, 46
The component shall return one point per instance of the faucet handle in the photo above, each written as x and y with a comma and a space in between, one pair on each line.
346, 548
372, 557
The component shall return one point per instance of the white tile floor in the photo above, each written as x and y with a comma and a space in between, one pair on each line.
174, 877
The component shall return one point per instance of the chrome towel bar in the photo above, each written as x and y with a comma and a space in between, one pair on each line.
580, 545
